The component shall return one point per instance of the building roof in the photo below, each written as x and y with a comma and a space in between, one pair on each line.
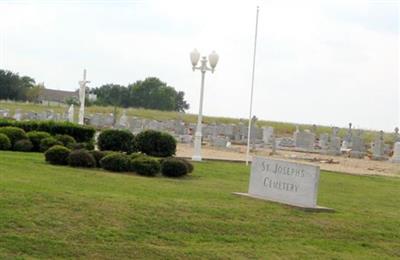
57, 95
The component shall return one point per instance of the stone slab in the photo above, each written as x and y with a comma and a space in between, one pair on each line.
284, 181
311, 209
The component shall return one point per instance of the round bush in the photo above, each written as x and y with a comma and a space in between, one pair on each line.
5, 143
145, 166
23, 146
36, 137
188, 164
172, 167
65, 139
98, 155
13, 133
48, 142
116, 140
156, 143
115, 162
57, 154
81, 158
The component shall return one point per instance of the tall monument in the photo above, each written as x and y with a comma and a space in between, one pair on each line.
82, 95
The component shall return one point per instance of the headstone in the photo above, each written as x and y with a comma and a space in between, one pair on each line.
268, 132
273, 144
4, 112
285, 182
334, 142
18, 115
186, 139
219, 142
396, 153
285, 142
378, 147
71, 113
123, 120
358, 146
304, 140
324, 141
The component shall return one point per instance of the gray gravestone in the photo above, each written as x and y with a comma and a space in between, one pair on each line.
358, 146
304, 140
378, 147
334, 142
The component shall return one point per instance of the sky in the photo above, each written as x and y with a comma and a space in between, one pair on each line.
317, 62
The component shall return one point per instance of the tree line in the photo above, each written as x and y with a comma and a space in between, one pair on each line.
150, 93
18, 88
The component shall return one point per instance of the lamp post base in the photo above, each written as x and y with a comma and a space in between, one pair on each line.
196, 158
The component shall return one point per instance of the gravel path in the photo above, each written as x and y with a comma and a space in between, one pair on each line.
340, 163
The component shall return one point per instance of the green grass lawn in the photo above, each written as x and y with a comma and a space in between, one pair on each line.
60, 212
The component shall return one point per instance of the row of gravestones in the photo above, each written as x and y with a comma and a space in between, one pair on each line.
221, 135
30, 115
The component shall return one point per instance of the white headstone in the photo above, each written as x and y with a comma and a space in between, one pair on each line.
285, 182
71, 113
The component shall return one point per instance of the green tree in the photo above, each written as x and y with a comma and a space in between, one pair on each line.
150, 93
14, 87
32, 94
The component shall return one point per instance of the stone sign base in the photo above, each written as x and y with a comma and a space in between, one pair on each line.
316, 209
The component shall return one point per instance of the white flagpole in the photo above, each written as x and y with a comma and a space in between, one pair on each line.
252, 90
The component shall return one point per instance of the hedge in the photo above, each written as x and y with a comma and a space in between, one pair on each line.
78, 132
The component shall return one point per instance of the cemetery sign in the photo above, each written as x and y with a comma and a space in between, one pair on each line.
286, 182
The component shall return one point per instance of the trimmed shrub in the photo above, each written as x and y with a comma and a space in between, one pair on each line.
57, 154
5, 143
156, 143
133, 156
81, 158
115, 162
13, 133
23, 146
173, 167
36, 137
116, 140
65, 139
78, 132
98, 155
78, 146
145, 166
188, 164
48, 142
